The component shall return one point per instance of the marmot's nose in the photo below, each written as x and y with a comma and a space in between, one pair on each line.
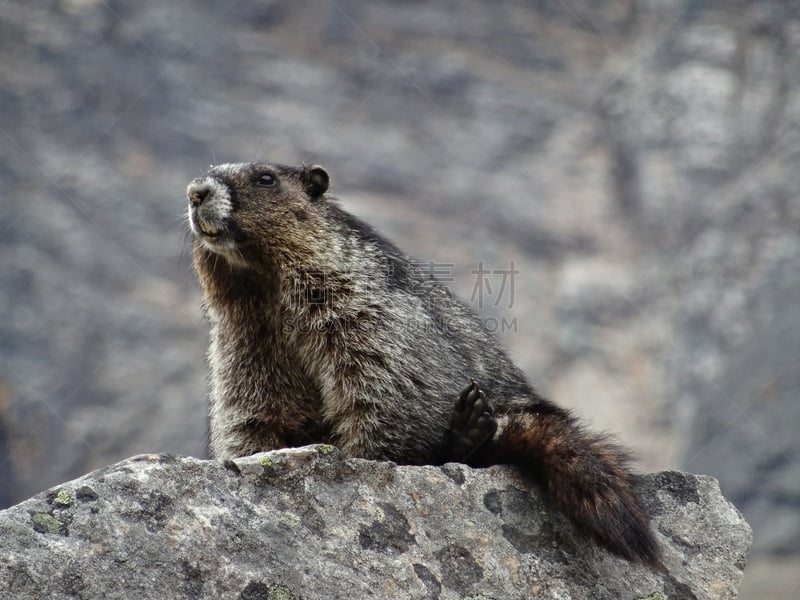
197, 192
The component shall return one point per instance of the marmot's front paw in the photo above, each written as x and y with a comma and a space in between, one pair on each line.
472, 422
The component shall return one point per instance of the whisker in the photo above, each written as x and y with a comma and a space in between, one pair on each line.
187, 242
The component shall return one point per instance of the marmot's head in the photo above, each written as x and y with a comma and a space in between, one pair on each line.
252, 214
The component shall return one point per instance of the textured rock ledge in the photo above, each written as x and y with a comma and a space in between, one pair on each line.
304, 523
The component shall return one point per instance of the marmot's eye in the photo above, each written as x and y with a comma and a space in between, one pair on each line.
266, 181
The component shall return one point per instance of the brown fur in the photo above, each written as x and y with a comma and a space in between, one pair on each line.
585, 474
324, 331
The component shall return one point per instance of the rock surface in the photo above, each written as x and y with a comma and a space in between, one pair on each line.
304, 523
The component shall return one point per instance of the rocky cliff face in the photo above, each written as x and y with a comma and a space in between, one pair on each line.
636, 160
304, 523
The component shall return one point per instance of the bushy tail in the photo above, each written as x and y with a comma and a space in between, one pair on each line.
586, 475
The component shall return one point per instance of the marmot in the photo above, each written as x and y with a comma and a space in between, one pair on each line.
324, 331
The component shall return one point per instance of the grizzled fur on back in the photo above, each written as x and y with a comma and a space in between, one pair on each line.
324, 331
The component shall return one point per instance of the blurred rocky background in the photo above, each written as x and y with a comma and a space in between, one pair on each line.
634, 163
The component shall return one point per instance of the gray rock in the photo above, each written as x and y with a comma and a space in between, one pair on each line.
304, 523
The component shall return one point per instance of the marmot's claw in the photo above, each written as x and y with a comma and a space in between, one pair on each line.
472, 423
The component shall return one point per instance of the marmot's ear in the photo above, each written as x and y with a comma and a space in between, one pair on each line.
315, 180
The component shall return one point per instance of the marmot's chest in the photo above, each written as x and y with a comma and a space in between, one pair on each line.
256, 367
